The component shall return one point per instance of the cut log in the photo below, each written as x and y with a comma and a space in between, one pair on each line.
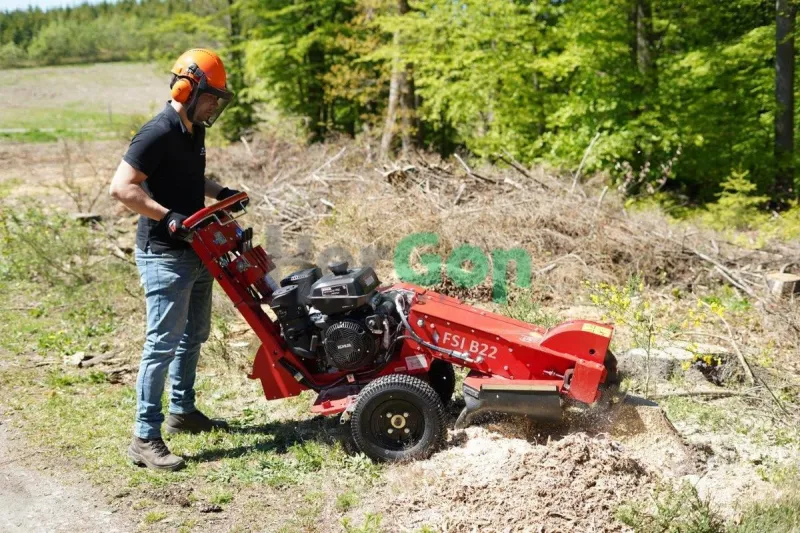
783, 285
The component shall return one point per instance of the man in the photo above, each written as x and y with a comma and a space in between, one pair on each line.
162, 178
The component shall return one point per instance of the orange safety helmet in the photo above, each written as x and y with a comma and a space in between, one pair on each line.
200, 71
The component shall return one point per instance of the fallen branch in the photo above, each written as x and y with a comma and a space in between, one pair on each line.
748, 372
329, 161
547, 268
714, 394
600, 200
473, 174
97, 359
727, 274
583, 161
516, 166
461, 188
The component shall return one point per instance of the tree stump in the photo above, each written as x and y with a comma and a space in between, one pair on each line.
783, 285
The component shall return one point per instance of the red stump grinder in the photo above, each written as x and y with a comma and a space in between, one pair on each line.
382, 357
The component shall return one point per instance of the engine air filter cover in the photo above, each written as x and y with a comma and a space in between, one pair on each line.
349, 345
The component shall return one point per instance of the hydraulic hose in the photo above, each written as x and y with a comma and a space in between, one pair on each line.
465, 356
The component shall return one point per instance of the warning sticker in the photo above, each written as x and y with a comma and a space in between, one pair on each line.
415, 362
597, 330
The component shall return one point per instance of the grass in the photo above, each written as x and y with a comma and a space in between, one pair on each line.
681, 510
154, 516
782, 515
48, 125
672, 510
102, 108
701, 413
221, 497
346, 501
371, 524
522, 306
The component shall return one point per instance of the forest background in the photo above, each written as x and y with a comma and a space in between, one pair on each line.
689, 102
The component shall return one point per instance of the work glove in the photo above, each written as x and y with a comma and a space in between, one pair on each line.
227, 193
175, 227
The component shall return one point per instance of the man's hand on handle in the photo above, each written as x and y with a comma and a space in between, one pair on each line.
227, 193
175, 227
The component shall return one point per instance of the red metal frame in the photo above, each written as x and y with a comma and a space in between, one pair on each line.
568, 357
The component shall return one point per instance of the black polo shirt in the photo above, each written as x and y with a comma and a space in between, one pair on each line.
174, 161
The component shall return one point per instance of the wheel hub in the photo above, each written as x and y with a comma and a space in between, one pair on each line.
398, 421
397, 424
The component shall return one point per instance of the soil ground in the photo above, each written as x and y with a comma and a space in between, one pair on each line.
36, 500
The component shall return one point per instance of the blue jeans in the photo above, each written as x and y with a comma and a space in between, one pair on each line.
177, 288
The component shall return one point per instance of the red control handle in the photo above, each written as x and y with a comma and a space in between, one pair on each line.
206, 212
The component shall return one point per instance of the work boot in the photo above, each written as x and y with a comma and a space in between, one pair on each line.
153, 453
195, 422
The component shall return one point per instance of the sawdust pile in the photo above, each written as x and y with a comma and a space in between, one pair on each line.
493, 483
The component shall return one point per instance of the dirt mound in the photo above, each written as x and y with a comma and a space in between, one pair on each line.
495, 483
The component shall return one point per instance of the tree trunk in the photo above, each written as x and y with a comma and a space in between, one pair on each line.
401, 98
407, 110
783, 190
644, 61
394, 99
239, 117
316, 92
643, 47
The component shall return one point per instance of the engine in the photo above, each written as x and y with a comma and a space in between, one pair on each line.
340, 320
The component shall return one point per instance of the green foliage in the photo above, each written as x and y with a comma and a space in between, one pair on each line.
346, 501
647, 321
683, 102
737, 206
523, 307
291, 50
46, 247
11, 55
672, 510
221, 497
125, 30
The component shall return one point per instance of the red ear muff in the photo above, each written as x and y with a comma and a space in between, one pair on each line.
182, 90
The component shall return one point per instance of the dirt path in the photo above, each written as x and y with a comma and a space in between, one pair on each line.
33, 501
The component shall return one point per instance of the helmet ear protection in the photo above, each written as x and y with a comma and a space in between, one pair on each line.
183, 87
182, 90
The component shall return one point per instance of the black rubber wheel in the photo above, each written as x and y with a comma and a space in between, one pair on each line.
398, 418
442, 378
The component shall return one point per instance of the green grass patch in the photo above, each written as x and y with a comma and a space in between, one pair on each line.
154, 516
371, 524
702, 413
221, 497
671, 510
782, 515
346, 501
522, 306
